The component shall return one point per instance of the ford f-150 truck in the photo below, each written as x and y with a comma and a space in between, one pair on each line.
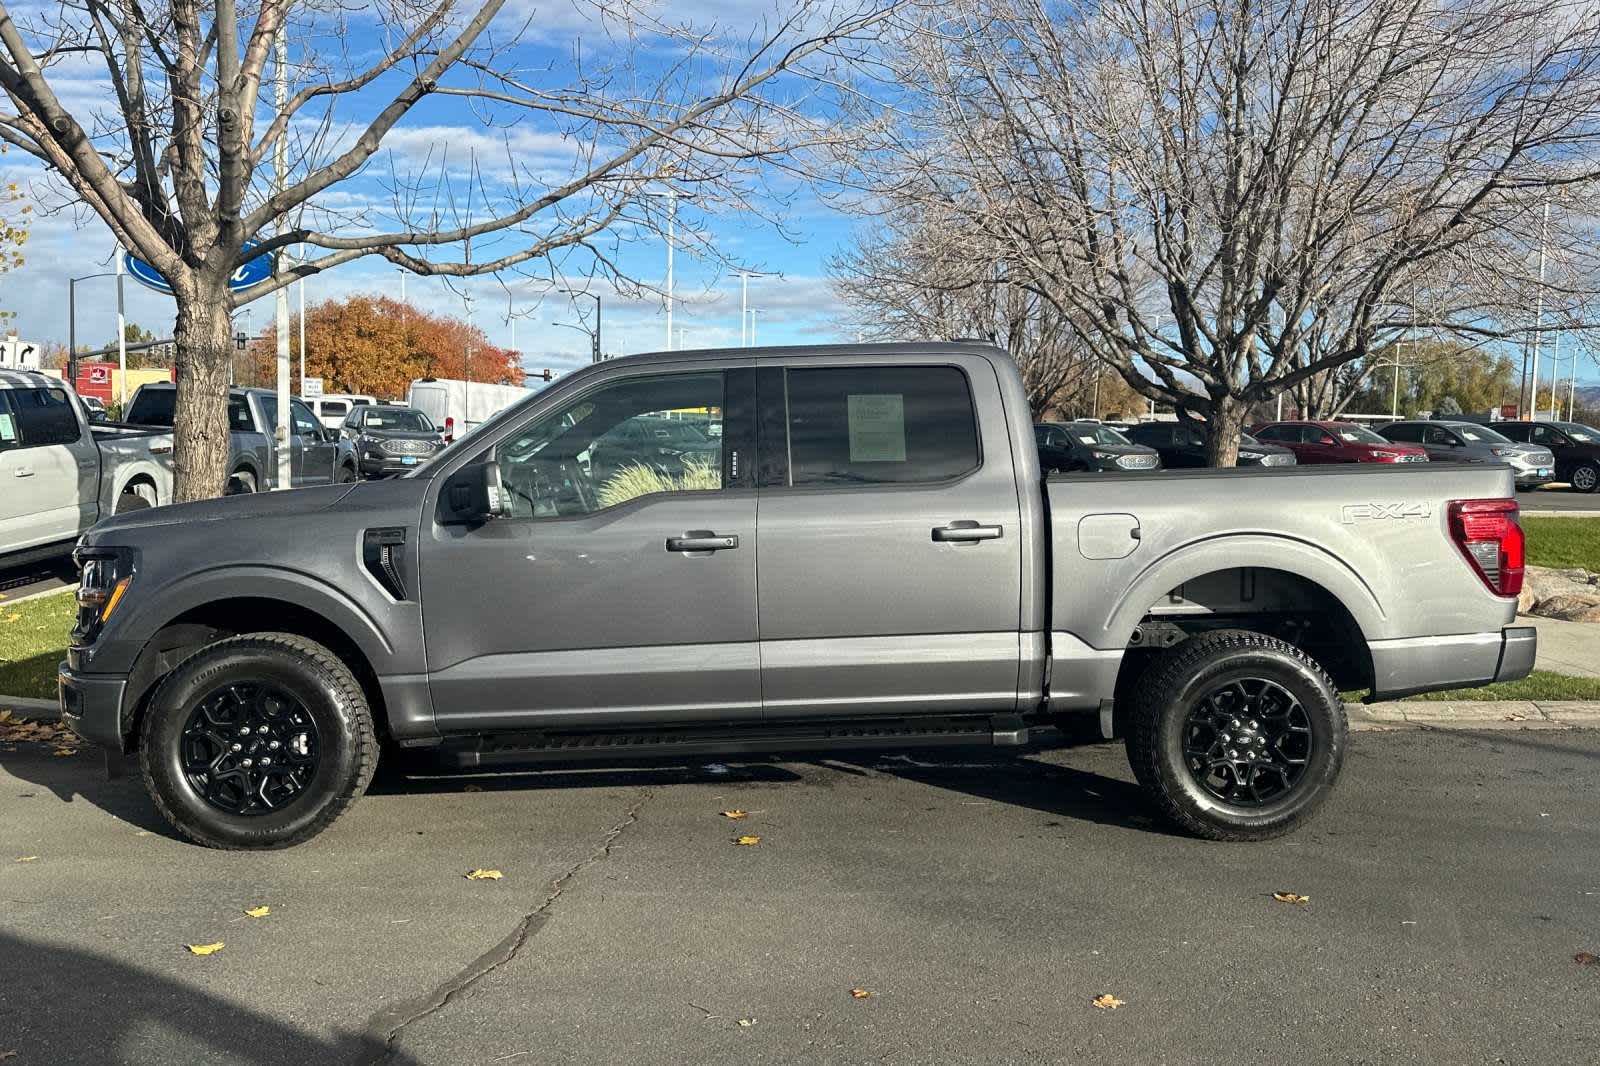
867, 557
60, 473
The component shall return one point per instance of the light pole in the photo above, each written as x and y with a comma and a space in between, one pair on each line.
302, 287
672, 233
72, 315
592, 334
754, 311
1538, 321
744, 308
1394, 405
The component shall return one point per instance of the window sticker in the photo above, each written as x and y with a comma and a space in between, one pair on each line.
1467, 433
1087, 438
877, 427
8, 430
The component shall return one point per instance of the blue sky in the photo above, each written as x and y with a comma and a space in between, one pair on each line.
793, 297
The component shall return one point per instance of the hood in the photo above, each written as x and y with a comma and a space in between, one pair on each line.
1393, 447
1121, 449
255, 505
1264, 448
402, 434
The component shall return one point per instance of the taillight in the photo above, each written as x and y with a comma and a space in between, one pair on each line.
449, 429
1487, 533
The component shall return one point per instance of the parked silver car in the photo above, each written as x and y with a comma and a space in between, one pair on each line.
1468, 442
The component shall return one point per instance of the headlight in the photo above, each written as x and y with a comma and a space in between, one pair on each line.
1104, 455
1504, 452
102, 585
1243, 454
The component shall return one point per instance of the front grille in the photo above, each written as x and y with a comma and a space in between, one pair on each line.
1136, 462
1277, 459
408, 447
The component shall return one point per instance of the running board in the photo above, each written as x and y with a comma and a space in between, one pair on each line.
520, 748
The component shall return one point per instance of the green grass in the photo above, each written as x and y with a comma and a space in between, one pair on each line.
1563, 542
1539, 685
33, 640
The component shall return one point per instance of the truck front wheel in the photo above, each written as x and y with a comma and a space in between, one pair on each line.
258, 741
1236, 735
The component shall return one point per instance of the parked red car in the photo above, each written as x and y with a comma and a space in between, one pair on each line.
1338, 442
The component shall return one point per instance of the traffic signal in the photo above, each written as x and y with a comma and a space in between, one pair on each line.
546, 375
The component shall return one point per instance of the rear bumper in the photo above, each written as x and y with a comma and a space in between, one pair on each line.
91, 706
1429, 664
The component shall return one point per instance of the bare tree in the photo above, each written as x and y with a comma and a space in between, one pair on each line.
179, 161
912, 277
1227, 198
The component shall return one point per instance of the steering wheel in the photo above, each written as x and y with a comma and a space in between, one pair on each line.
572, 474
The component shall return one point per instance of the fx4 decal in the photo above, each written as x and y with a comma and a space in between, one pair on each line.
1371, 512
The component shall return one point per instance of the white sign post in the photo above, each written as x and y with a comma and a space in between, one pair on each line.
310, 388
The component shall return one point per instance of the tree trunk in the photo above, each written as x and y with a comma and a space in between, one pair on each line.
1225, 425
200, 422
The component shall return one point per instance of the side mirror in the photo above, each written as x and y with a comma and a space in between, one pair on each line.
473, 495
330, 435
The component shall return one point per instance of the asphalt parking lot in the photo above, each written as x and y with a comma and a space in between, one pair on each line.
983, 901
1558, 498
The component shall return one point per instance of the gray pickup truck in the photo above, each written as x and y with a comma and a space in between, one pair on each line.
868, 557
317, 455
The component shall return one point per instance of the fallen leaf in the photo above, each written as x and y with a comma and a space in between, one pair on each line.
1106, 1001
1291, 897
860, 993
745, 1023
735, 814
1514, 718
63, 752
204, 949
26, 858
472, 788
748, 840
1584, 958
485, 875
8, 1054
258, 912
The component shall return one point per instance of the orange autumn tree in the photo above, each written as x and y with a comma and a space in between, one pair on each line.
379, 346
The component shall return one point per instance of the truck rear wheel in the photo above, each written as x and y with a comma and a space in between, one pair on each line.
1236, 735
258, 741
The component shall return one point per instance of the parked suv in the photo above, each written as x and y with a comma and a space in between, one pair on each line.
1575, 446
1469, 442
391, 440
1070, 446
1338, 442
1183, 445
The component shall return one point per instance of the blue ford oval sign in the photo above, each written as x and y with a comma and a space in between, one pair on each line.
252, 272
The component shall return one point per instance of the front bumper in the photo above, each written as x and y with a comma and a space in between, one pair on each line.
91, 706
1430, 664
373, 466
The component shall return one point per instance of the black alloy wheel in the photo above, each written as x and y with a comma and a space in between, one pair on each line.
250, 748
1248, 742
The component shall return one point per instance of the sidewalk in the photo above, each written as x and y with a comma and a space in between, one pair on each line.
1571, 648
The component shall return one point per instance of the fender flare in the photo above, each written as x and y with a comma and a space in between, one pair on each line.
327, 601
1233, 551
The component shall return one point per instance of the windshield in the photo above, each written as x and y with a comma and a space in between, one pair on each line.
1358, 435
1480, 435
1245, 438
402, 419
1087, 433
1579, 432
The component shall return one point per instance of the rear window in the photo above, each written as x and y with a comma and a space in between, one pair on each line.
42, 417
878, 425
335, 407
153, 407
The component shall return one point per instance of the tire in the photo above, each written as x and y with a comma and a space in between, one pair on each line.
1585, 477
140, 497
345, 476
1161, 731
241, 483
312, 683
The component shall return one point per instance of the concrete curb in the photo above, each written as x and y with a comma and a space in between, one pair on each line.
1535, 513
1370, 717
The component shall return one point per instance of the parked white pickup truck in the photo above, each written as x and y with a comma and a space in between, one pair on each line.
59, 474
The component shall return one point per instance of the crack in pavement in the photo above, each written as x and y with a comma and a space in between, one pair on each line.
389, 1024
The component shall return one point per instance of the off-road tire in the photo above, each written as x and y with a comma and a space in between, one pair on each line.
348, 744
346, 475
1181, 676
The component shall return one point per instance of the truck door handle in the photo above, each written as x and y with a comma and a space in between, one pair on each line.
24, 471
702, 541
964, 531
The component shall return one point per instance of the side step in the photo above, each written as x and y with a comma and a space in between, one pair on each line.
521, 748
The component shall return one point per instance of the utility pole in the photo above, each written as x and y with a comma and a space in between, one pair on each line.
122, 339
753, 312
672, 233
302, 286
744, 308
1555, 377
280, 166
1538, 321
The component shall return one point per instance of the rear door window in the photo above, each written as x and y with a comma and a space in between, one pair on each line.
153, 407
864, 425
43, 417
9, 437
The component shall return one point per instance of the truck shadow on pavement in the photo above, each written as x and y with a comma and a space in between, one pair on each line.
63, 1005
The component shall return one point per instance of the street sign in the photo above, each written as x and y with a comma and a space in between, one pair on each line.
310, 388
19, 354
252, 273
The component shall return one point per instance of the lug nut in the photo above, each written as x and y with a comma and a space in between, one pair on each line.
244, 730
1232, 754
263, 729
266, 762
236, 747
1226, 738
248, 762
273, 745
1236, 723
